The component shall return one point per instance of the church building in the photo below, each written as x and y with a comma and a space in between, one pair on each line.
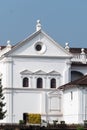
40, 76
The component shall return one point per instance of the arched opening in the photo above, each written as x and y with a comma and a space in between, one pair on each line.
75, 75
39, 83
25, 82
53, 83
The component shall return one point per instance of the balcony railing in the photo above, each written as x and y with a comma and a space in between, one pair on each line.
79, 58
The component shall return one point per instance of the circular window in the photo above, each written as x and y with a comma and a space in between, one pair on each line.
38, 47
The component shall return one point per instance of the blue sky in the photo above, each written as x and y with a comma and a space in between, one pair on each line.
63, 20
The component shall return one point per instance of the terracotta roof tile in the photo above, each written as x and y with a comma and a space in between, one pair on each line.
2, 47
79, 82
77, 50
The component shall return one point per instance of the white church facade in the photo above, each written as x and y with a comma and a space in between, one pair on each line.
38, 75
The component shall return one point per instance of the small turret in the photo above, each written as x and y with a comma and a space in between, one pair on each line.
6, 49
83, 56
67, 46
38, 25
8, 44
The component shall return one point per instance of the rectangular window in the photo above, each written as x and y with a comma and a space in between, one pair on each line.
71, 95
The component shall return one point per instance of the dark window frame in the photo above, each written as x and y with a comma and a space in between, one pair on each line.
39, 82
25, 82
53, 83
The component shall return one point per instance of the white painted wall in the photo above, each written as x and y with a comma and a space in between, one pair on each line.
24, 57
26, 102
70, 106
32, 64
20, 100
75, 110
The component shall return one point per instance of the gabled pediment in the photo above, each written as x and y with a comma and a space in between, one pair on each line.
39, 44
25, 72
53, 73
40, 72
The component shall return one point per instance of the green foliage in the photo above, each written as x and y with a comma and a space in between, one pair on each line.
80, 128
21, 122
62, 122
2, 113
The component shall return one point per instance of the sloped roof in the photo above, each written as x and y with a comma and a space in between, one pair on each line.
2, 47
76, 83
19, 44
77, 50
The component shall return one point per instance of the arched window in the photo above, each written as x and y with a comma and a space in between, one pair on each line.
25, 82
53, 83
39, 83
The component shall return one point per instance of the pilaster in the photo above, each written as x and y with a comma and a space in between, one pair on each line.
67, 72
43, 103
9, 84
9, 72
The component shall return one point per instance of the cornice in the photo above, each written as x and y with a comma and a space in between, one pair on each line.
17, 90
